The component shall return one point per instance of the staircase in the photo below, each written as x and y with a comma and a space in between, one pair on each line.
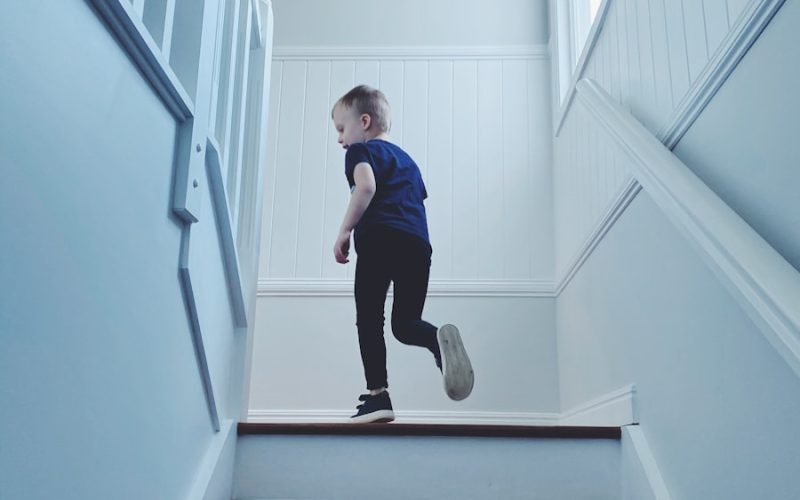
413, 461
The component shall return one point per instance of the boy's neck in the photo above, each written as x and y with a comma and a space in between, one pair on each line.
383, 136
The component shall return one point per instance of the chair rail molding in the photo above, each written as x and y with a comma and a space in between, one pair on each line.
436, 288
740, 38
765, 285
607, 221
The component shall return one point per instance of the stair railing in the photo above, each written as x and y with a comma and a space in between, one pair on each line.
765, 285
208, 61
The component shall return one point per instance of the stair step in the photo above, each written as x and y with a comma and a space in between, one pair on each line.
395, 429
413, 461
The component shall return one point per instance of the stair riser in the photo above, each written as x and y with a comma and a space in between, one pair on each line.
442, 468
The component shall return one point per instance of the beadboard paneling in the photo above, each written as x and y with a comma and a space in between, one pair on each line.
468, 122
650, 56
592, 172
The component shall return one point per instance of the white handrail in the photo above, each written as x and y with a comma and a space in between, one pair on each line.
761, 280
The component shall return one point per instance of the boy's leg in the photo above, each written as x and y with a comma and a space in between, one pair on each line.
371, 283
410, 289
410, 273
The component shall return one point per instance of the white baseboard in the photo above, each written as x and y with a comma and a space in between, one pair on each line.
408, 417
613, 409
616, 408
215, 475
658, 489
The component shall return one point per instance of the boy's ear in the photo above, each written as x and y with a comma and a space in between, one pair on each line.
366, 121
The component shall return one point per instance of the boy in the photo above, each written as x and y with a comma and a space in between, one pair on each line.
391, 238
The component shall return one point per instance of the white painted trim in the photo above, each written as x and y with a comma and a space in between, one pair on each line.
409, 52
138, 7
616, 408
219, 42
764, 284
233, 56
135, 39
212, 461
187, 198
225, 230
257, 35
257, 139
609, 218
169, 25
657, 486
586, 54
436, 288
742, 35
187, 290
410, 417
233, 172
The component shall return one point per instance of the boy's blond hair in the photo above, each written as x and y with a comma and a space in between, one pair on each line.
367, 100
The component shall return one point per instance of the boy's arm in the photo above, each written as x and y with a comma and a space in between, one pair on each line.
363, 192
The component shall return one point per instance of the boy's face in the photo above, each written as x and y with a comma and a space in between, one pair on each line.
351, 127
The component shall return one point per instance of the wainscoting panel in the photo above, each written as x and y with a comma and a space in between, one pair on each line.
469, 122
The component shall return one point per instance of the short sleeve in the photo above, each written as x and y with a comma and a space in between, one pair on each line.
356, 153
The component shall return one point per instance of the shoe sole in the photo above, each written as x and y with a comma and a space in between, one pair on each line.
376, 417
456, 367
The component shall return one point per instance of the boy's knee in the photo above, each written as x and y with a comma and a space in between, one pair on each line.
402, 330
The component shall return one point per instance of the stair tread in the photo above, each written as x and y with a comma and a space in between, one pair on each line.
458, 430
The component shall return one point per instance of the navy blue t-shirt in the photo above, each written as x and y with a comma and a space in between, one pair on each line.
399, 194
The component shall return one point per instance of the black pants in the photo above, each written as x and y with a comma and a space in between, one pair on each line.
389, 255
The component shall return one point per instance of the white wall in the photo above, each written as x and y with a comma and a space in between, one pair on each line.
477, 119
744, 143
716, 402
309, 365
411, 22
714, 399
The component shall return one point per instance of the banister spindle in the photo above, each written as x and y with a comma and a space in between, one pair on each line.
235, 159
138, 7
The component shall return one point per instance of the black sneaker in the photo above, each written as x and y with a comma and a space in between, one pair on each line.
456, 367
374, 409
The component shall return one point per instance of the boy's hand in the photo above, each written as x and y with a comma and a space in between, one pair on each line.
342, 247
